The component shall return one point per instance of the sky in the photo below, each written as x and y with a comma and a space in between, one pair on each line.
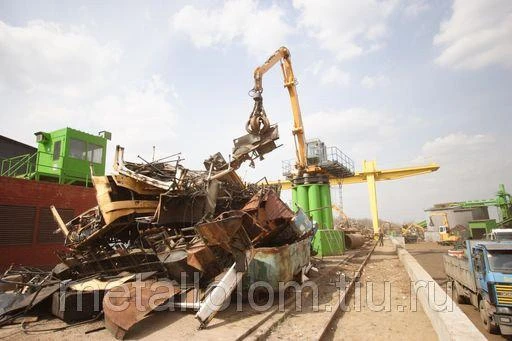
403, 82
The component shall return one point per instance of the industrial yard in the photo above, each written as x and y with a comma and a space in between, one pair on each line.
255, 170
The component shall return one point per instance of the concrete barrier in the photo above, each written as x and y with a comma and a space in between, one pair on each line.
449, 322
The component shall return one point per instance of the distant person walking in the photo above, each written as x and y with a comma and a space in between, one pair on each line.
381, 237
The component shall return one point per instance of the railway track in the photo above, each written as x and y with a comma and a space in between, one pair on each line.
318, 308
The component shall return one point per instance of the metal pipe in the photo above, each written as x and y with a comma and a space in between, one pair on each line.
354, 240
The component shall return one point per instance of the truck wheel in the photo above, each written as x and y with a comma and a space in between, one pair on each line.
489, 326
456, 297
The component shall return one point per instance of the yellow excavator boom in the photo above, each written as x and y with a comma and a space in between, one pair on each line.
282, 55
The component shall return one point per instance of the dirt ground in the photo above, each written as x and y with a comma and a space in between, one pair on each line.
396, 320
307, 322
430, 257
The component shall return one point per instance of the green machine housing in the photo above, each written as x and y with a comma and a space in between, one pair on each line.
312, 193
67, 155
478, 229
503, 201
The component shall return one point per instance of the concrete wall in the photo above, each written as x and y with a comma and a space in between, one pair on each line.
480, 213
28, 201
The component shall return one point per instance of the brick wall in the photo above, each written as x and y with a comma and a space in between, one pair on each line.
36, 196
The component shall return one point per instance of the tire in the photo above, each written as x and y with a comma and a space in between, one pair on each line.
460, 299
489, 326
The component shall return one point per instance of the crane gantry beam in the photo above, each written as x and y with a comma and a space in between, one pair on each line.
370, 174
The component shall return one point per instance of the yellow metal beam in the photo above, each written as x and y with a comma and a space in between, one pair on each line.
380, 175
370, 167
370, 174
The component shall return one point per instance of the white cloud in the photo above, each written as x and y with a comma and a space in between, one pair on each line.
471, 166
347, 127
414, 8
351, 121
138, 117
456, 142
260, 30
45, 57
334, 75
316, 67
331, 75
346, 28
143, 112
370, 82
478, 34
57, 76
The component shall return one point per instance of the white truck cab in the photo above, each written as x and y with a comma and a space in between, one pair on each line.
501, 234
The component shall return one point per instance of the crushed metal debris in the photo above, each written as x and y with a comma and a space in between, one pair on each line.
164, 236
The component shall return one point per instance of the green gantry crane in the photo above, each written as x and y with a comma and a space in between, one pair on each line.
503, 201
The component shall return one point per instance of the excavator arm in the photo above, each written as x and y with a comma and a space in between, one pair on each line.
282, 55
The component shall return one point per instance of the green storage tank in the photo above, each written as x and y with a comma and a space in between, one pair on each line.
315, 205
326, 204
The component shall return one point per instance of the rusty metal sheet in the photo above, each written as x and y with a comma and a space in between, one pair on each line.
127, 304
135, 185
276, 208
253, 204
180, 209
202, 258
220, 231
121, 168
19, 302
273, 206
228, 233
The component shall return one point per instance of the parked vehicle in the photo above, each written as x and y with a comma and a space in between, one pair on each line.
483, 278
501, 234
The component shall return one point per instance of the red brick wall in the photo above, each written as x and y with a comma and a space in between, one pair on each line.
39, 194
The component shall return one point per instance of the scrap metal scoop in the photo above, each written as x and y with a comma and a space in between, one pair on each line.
260, 139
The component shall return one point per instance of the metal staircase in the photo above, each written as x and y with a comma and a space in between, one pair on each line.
22, 166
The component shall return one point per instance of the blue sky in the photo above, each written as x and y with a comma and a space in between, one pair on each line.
403, 82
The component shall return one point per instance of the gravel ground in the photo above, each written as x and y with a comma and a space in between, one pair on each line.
397, 320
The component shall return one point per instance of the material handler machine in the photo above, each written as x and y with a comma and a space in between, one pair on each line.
314, 165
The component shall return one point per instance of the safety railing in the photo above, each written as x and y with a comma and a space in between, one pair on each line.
333, 160
287, 166
334, 154
28, 166
19, 166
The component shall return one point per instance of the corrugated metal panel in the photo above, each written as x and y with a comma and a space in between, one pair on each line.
47, 225
16, 224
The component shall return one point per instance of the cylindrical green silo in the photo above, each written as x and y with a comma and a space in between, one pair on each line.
294, 199
325, 196
315, 203
302, 197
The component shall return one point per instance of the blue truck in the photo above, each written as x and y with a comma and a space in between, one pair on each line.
482, 276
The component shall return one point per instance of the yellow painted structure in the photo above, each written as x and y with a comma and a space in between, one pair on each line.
371, 174
282, 55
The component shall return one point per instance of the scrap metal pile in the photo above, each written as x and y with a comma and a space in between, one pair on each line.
165, 235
